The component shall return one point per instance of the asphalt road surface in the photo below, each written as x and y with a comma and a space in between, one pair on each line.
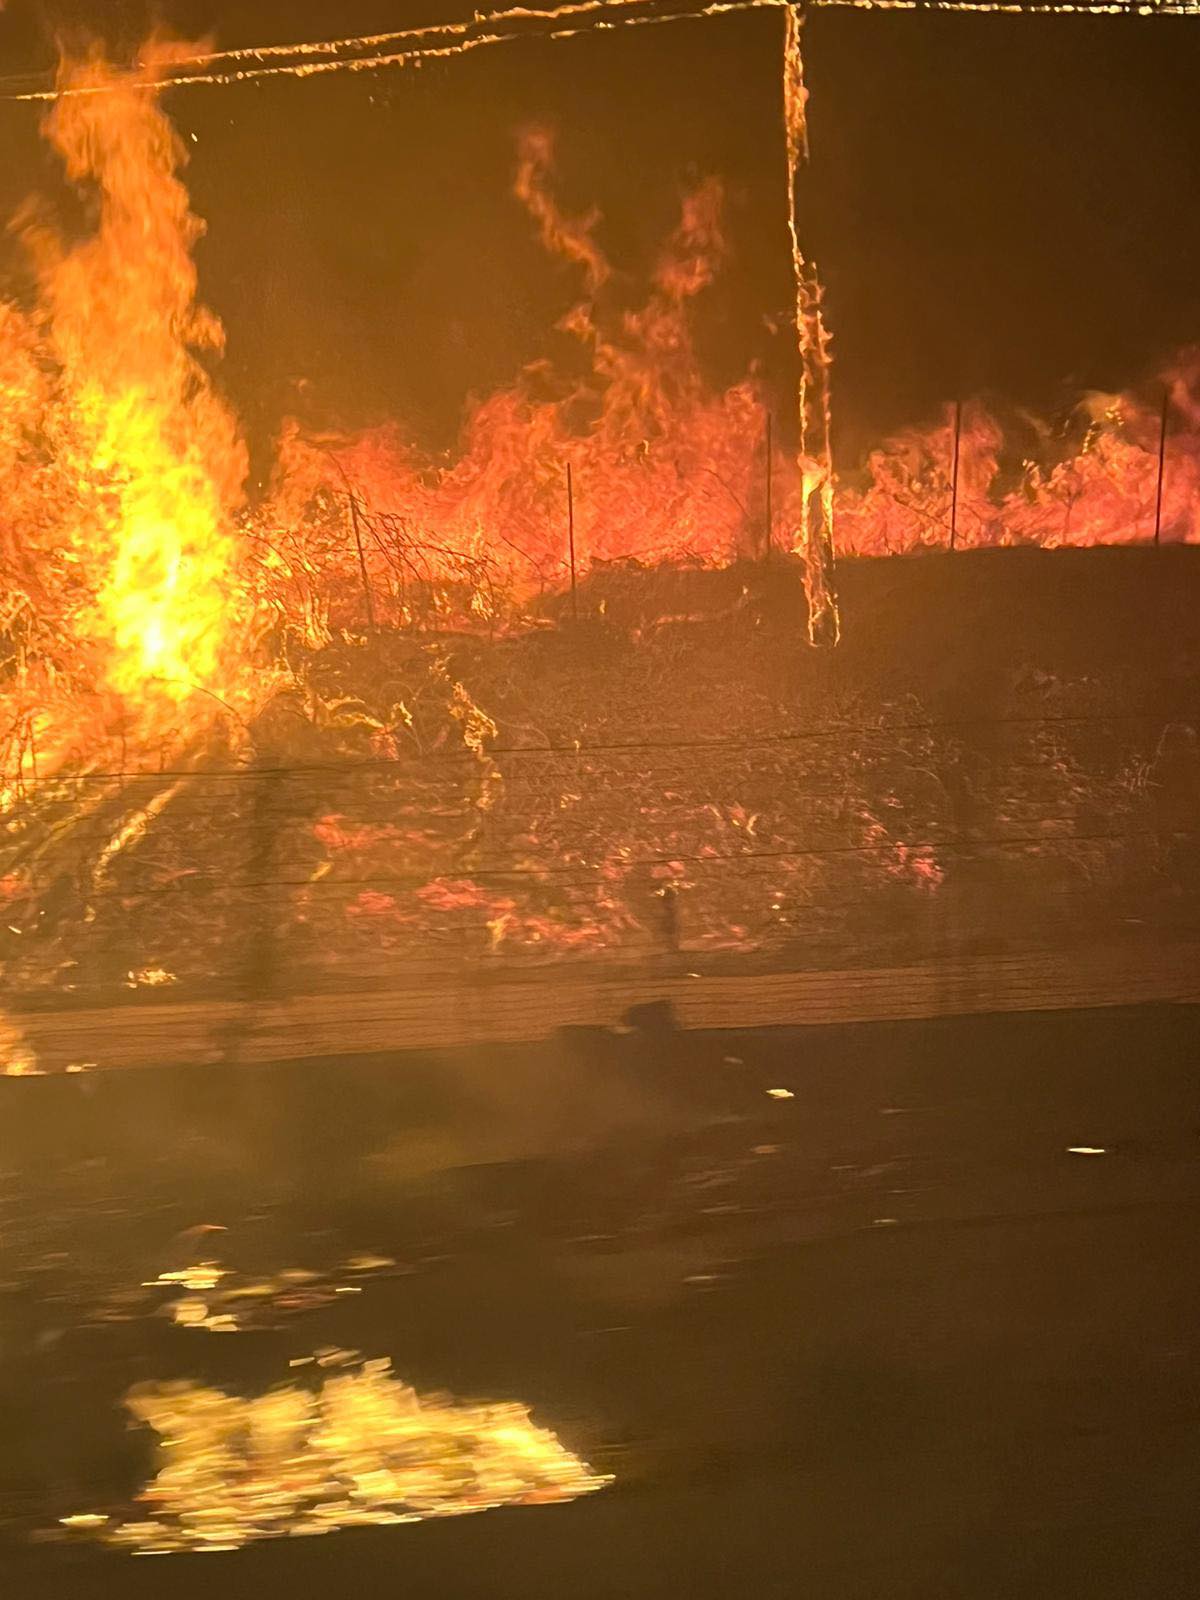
926, 1325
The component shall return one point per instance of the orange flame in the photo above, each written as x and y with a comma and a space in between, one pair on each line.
1098, 485
663, 467
122, 471
147, 466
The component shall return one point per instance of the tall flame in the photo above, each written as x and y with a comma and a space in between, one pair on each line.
149, 462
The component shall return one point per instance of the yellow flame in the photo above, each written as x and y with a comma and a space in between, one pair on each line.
152, 453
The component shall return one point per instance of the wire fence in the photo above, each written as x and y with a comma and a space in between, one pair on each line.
894, 839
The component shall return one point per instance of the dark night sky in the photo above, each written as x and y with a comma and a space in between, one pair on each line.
997, 204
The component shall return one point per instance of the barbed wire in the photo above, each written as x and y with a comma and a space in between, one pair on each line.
585, 875
580, 750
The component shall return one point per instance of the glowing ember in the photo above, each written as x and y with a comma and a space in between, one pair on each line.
121, 469
362, 1449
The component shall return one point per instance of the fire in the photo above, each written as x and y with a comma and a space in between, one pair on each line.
137, 580
662, 467
665, 469
1095, 481
126, 466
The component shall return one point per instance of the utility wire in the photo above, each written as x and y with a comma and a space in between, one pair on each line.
587, 876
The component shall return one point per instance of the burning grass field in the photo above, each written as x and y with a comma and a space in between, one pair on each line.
553, 698
1000, 758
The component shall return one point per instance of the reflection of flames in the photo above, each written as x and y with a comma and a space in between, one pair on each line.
363, 1449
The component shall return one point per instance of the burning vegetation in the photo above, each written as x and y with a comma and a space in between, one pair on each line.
122, 469
662, 468
174, 652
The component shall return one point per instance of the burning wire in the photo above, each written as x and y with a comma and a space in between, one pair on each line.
403, 47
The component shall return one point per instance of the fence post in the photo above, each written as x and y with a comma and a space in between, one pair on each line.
1162, 463
571, 541
362, 562
257, 970
954, 474
770, 507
